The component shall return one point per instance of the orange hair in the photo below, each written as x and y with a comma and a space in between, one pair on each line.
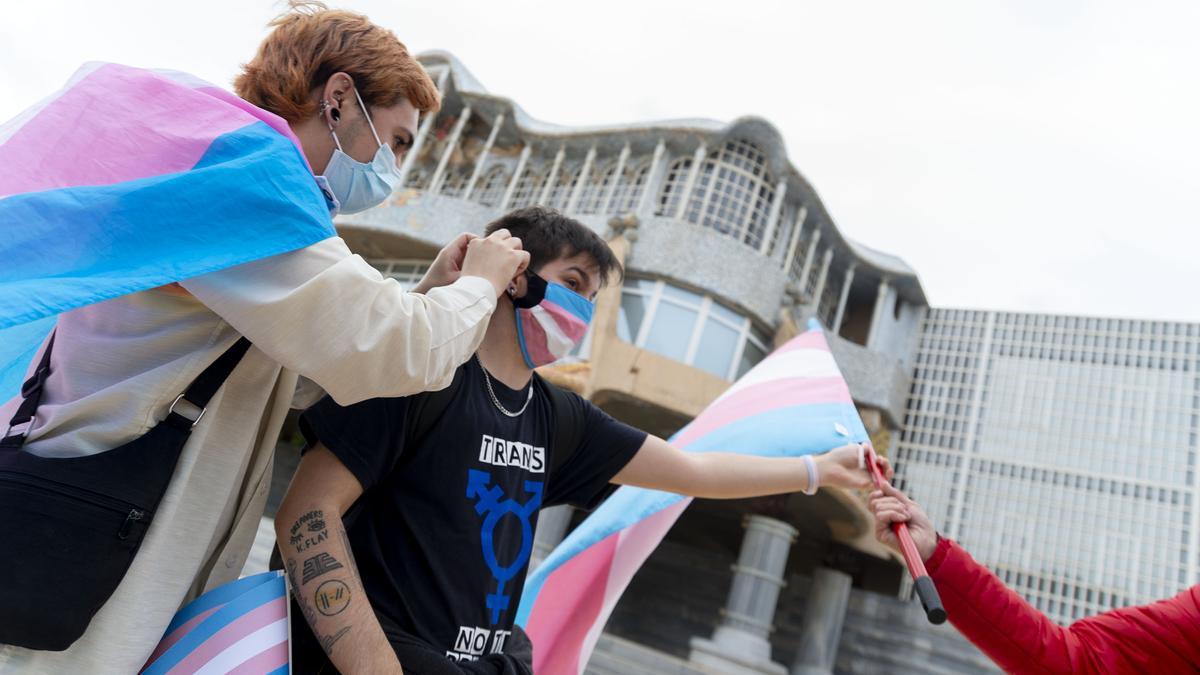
311, 42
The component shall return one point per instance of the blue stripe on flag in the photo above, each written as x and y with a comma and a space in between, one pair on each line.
249, 197
232, 611
219, 596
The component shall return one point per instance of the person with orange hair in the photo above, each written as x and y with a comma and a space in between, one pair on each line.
342, 95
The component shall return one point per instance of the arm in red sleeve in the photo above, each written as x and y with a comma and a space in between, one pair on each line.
1161, 637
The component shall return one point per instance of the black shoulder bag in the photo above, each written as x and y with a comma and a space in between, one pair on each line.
73, 525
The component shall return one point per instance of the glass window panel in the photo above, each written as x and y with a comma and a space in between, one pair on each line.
722, 312
688, 297
633, 312
751, 355
671, 330
718, 342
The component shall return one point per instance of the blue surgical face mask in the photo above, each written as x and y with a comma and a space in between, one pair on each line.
358, 186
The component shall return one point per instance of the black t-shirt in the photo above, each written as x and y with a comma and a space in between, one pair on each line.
444, 528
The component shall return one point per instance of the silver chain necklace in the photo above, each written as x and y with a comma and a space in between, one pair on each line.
495, 401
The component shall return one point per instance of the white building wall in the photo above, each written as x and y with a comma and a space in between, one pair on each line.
1061, 451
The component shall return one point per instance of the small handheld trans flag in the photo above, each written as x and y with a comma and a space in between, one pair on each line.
240, 627
793, 403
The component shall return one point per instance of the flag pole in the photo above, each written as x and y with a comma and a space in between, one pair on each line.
930, 600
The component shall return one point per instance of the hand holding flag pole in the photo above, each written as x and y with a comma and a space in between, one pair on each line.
930, 599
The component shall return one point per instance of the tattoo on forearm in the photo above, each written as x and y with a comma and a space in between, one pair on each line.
321, 563
308, 531
331, 597
349, 551
328, 640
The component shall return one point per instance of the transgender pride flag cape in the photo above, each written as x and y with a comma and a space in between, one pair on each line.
239, 628
127, 179
794, 402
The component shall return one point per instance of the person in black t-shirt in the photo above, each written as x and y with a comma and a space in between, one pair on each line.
407, 529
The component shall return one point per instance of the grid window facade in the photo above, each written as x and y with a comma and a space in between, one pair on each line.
690, 327
1061, 451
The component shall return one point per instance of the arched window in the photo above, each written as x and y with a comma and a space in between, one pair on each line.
560, 194
455, 181
417, 179
629, 192
673, 186
733, 192
595, 190
529, 187
490, 188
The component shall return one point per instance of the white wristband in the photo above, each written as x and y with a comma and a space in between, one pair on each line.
814, 476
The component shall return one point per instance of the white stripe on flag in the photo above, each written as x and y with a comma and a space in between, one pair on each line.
247, 648
788, 365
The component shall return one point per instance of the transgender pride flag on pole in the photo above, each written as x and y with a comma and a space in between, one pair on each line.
240, 628
794, 402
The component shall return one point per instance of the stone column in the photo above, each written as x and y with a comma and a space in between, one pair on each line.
814, 305
690, 185
773, 216
516, 177
878, 313
823, 619
845, 295
581, 181
618, 175
435, 183
552, 179
410, 157
653, 180
790, 257
551, 528
740, 645
483, 155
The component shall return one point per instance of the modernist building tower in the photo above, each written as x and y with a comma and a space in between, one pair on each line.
1061, 450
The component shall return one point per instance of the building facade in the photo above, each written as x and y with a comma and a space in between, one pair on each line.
1061, 450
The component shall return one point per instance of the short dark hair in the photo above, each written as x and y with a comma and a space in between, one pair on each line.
549, 235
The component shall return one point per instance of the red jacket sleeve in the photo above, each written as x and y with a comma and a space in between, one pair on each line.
1158, 638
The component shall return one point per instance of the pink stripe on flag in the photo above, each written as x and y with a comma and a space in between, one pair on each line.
266, 661
71, 141
813, 339
178, 633
535, 339
263, 615
636, 544
569, 602
765, 397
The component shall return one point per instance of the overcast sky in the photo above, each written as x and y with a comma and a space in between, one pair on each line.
1027, 154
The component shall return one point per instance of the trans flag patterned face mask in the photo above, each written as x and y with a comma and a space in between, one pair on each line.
551, 320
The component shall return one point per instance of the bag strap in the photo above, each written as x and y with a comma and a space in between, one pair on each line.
205, 386
197, 395
31, 398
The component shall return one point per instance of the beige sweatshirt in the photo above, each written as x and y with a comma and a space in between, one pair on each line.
322, 312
